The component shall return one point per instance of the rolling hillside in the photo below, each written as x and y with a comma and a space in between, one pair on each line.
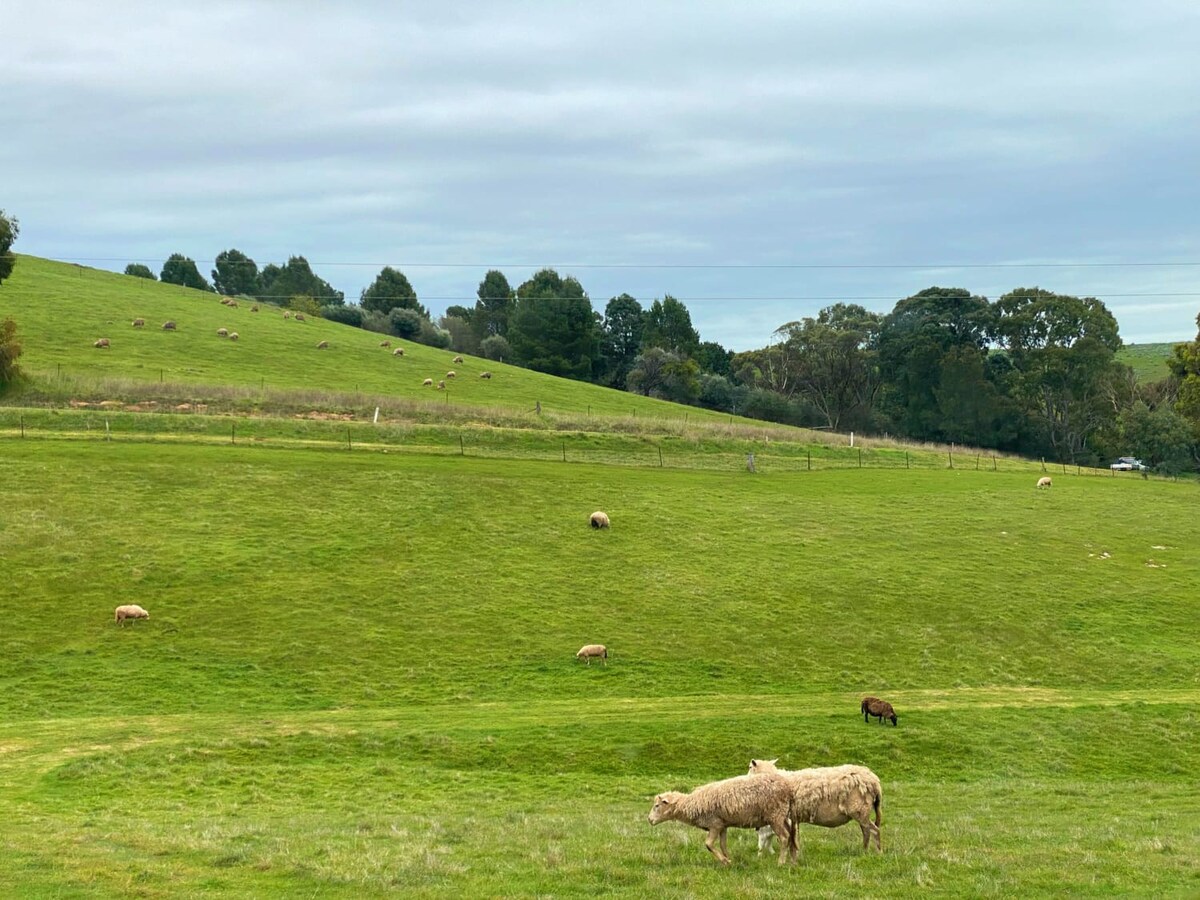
1148, 361
61, 309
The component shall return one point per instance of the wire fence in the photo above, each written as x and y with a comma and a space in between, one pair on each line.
332, 432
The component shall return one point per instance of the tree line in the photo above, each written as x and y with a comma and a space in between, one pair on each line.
1033, 372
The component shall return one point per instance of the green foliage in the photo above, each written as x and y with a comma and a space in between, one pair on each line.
462, 336
668, 324
302, 303
279, 283
659, 373
10, 352
553, 328
714, 358
181, 270
494, 305
433, 336
347, 315
622, 329
391, 290
405, 322
235, 274
140, 270
9, 230
495, 347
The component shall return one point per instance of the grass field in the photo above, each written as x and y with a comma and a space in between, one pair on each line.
358, 677
61, 309
1148, 361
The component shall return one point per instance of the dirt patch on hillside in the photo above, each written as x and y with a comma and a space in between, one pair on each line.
326, 416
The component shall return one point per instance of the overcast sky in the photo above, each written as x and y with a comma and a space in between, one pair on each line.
756, 160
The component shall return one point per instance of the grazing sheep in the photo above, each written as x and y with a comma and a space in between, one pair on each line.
224, 301
168, 326
1044, 482
233, 304
300, 317
485, 375
222, 332
458, 359
323, 345
139, 323
427, 382
593, 651
747, 801
103, 342
399, 351
385, 343
286, 314
441, 385
598, 520
254, 308
873, 706
451, 374
233, 335
132, 611
829, 797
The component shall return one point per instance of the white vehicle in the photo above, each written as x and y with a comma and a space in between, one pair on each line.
1129, 464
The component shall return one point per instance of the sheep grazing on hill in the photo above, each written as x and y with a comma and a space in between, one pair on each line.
233, 335
1044, 482
222, 332
286, 314
598, 520
139, 323
323, 345
873, 706
168, 326
457, 359
441, 385
300, 317
233, 304
829, 797
399, 351
385, 343
428, 382
254, 308
747, 801
593, 651
131, 611
485, 375
451, 374
102, 342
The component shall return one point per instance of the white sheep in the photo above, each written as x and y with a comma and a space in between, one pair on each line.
399, 351
130, 611
598, 520
222, 332
829, 797
593, 651
233, 335
1044, 482
743, 802
427, 382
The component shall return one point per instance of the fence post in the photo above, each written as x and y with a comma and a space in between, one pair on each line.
860, 457
348, 446
564, 451
462, 448
660, 459
375, 421
22, 427
906, 459
749, 462
1043, 464
976, 462
950, 454
107, 433
810, 459
232, 433
993, 462
1064, 465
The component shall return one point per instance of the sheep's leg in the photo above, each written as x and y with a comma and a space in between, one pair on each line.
780, 830
710, 842
764, 837
865, 825
724, 847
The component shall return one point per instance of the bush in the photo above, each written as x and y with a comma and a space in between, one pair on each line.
405, 323
496, 348
433, 336
302, 303
10, 350
347, 315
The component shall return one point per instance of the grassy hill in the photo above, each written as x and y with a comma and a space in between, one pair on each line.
1148, 361
358, 677
61, 309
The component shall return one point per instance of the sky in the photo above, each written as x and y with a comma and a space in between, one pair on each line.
758, 161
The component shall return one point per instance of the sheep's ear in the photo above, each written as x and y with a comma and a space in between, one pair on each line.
773, 761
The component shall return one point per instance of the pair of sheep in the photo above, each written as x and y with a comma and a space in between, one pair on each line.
225, 332
777, 802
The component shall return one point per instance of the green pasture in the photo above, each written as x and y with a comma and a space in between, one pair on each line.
358, 675
62, 309
1148, 361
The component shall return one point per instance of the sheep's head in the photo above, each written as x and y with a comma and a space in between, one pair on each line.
762, 766
664, 807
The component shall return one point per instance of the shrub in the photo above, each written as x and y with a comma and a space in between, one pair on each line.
405, 323
496, 347
10, 350
347, 315
302, 303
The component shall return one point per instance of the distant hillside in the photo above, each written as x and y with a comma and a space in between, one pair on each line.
1148, 361
61, 309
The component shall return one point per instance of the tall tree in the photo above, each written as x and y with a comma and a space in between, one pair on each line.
553, 328
140, 270
235, 274
9, 229
180, 269
10, 352
391, 290
714, 358
296, 279
623, 318
494, 305
668, 325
